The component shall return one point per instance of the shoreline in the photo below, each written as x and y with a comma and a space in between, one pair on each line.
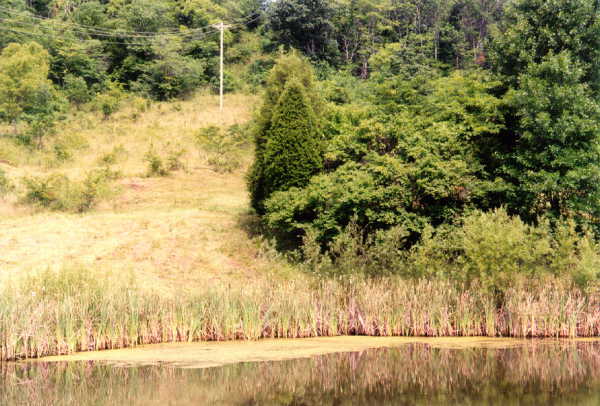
219, 353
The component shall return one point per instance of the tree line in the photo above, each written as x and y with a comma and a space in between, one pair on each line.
383, 121
434, 158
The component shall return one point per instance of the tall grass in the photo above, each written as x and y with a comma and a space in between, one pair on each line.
69, 310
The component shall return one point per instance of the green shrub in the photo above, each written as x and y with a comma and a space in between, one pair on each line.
64, 146
156, 166
293, 151
496, 249
62, 153
76, 89
58, 192
109, 102
174, 162
141, 104
258, 71
173, 75
6, 185
163, 166
117, 154
353, 252
375, 195
223, 150
490, 250
230, 83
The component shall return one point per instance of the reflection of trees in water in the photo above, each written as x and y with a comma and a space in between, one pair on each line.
537, 373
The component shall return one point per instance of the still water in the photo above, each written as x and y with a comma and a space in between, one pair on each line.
539, 373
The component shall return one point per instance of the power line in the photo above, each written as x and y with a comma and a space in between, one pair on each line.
55, 36
43, 35
220, 28
107, 33
30, 25
74, 27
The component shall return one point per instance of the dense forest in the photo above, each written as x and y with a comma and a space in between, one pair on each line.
421, 137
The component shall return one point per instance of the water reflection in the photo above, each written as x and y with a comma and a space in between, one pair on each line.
553, 373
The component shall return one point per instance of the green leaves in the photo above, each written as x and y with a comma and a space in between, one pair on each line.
288, 130
555, 164
497, 249
305, 25
549, 58
25, 91
374, 195
23, 79
420, 163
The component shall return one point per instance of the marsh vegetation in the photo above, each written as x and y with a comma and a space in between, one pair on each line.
412, 168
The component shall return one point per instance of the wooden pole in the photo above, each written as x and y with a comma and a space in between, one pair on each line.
222, 28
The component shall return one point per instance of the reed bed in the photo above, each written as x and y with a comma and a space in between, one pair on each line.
70, 310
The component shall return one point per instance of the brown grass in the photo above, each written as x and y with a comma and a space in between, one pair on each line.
171, 231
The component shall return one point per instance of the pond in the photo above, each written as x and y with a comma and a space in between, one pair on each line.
530, 373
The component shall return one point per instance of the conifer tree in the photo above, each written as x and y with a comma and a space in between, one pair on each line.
287, 67
293, 151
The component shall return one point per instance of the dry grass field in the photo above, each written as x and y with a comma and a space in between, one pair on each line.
174, 231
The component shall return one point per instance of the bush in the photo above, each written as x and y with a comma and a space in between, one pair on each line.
375, 195
76, 90
6, 185
172, 76
353, 252
65, 145
141, 104
156, 166
293, 152
497, 249
258, 71
117, 154
58, 192
174, 160
492, 250
288, 67
109, 102
62, 152
223, 150
160, 166
230, 83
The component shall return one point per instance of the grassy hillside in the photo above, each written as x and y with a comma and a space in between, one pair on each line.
173, 257
173, 231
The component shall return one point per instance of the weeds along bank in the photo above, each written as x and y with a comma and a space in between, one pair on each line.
60, 312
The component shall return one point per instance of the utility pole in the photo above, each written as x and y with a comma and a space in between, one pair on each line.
222, 28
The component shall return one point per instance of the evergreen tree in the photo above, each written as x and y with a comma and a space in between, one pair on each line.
293, 151
287, 67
